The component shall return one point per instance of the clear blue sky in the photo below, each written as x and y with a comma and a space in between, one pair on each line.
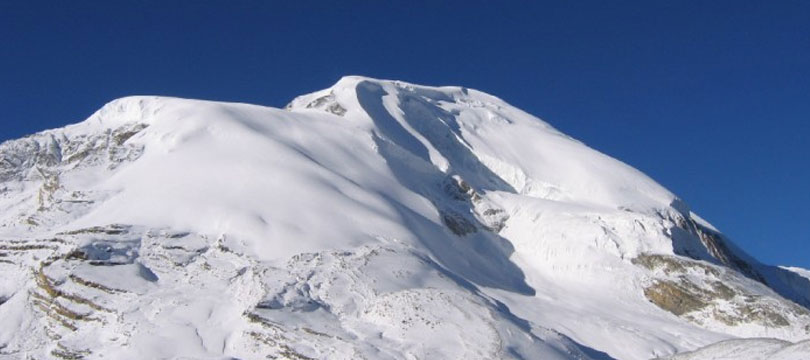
710, 98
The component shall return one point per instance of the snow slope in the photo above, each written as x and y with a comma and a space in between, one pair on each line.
373, 219
802, 272
754, 349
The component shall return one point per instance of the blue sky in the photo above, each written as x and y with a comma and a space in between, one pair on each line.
710, 98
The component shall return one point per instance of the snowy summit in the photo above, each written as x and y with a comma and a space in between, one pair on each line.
371, 220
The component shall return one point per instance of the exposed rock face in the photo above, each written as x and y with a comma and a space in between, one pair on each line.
325, 103
706, 293
55, 151
489, 216
700, 242
673, 297
458, 224
44, 157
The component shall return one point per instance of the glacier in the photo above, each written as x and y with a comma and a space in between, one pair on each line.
374, 219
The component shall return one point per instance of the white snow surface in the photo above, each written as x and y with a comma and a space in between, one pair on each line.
374, 219
752, 349
802, 272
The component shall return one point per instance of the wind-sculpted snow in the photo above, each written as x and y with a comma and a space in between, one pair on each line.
374, 219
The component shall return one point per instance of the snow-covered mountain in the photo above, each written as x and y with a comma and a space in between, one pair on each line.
370, 220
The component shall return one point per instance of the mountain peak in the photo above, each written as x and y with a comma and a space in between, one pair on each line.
346, 88
374, 217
